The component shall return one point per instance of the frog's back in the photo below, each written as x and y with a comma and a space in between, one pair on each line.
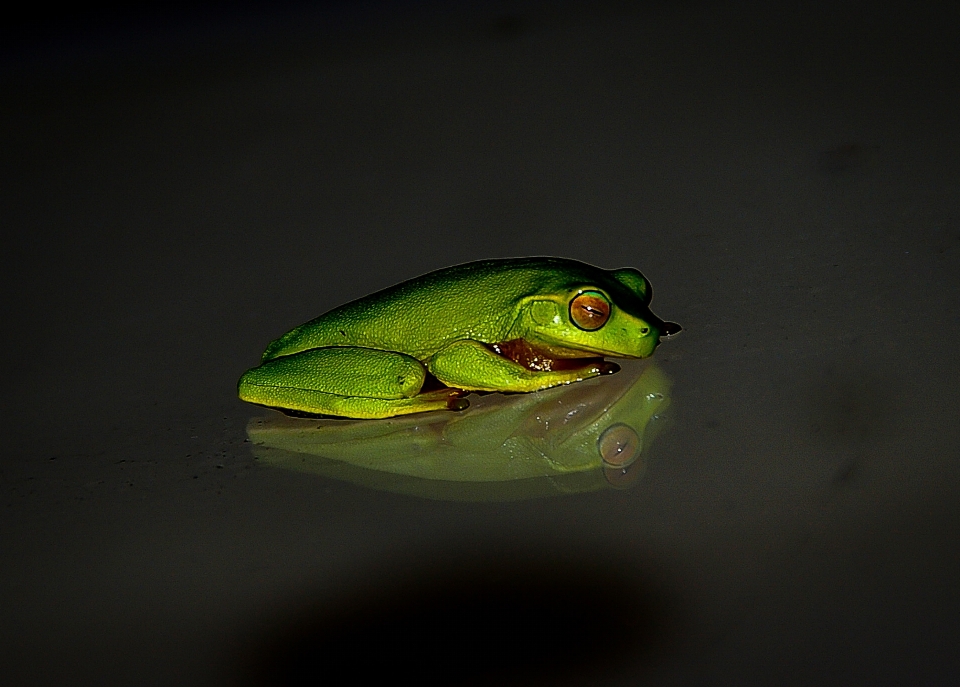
476, 300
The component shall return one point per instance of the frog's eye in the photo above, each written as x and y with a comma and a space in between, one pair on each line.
590, 310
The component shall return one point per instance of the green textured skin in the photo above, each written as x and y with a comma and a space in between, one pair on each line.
477, 301
440, 319
360, 371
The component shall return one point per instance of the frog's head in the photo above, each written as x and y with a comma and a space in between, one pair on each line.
608, 314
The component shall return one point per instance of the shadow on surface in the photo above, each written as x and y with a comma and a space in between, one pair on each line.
483, 620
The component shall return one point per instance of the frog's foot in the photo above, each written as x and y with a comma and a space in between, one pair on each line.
319, 404
443, 399
333, 406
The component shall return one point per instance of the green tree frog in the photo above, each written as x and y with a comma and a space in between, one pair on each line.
510, 325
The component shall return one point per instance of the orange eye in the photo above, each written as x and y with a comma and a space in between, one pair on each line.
590, 310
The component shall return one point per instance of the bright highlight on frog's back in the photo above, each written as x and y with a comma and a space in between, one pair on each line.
495, 325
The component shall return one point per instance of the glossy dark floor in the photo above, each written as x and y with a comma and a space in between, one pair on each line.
786, 178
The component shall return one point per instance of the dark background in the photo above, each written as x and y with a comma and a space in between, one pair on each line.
180, 187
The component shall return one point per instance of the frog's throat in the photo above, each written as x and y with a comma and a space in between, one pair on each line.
539, 359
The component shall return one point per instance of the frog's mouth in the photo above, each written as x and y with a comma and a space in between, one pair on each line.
540, 359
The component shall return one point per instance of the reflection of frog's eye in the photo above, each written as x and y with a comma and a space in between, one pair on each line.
619, 445
590, 310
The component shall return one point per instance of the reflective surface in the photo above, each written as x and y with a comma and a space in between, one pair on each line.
564, 440
787, 179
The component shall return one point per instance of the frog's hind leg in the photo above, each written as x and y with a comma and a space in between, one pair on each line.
347, 381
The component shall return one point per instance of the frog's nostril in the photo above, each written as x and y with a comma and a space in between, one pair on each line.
644, 330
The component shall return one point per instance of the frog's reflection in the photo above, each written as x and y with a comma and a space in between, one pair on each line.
583, 437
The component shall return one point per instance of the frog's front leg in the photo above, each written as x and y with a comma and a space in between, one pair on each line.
347, 381
472, 365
